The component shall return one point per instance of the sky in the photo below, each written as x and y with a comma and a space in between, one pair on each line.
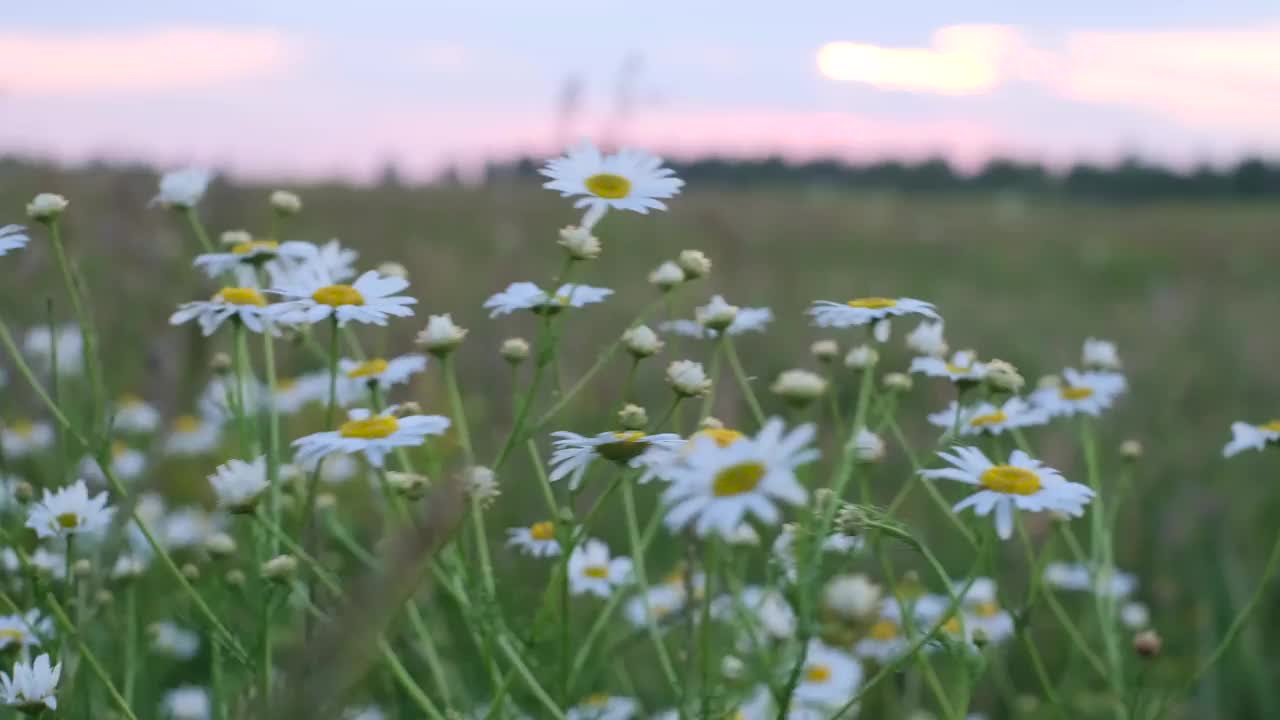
308, 89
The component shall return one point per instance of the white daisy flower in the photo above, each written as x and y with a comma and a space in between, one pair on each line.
784, 548
528, 296
191, 435
38, 345
371, 299
12, 237
134, 415
49, 563
748, 319
964, 367
537, 540
766, 608
244, 304
69, 511
295, 393
24, 630
1021, 484
217, 401
591, 570
604, 707
188, 702
188, 527
715, 487
1248, 437
358, 377
253, 254
927, 339
1100, 355
867, 311
982, 610
307, 263
986, 418
574, 453
182, 188
128, 567
373, 435
886, 639
626, 180
22, 438
33, 686
335, 470
829, 678
126, 464
1082, 578
853, 597
1080, 392
239, 484
172, 641
662, 601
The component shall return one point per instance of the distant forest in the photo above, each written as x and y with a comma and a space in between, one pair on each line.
1127, 181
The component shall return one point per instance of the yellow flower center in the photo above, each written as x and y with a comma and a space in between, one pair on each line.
989, 419
959, 369
987, 609
335, 295
608, 186
1074, 392
368, 368
128, 400
722, 437
246, 248
737, 479
883, 630
872, 303
817, 673
241, 296
628, 445
118, 448
286, 383
12, 634
23, 428
68, 520
596, 700
1273, 426
952, 626
186, 423
544, 530
1010, 480
599, 572
374, 427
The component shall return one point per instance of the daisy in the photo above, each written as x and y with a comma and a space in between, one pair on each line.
747, 320
591, 570
69, 511
251, 254
867, 311
765, 608
784, 548
574, 453
604, 707
626, 180
1100, 355
188, 702
1080, 392
172, 641
24, 630
986, 418
191, 435
359, 377
927, 339
39, 345
335, 470
182, 188
243, 304
1082, 578
239, 484
528, 296
33, 686
135, 415
886, 640
715, 487
371, 299
294, 393
50, 564
126, 464
963, 368
22, 438
373, 435
188, 527
660, 602
307, 262
982, 611
1022, 484
218, 400
537, 540
829, 678
12, 237
1250, 437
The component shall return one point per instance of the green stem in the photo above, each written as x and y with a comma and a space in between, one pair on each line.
70, 630
744, 384
638, 569
406, 681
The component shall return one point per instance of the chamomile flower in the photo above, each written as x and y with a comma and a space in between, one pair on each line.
784, 549
126, 464
182, 188
986, 418
765, 609
1021, 484
1082, 578
575, 453
1250, 437
306, 263
537, 540
188, 702
22, 438
659, 603
593, 571
885, 640
335, 470
528, 296
218, 399
1079, 392
604, 707
829, 677
982, 611
135, 416
371, 299
370, 434
172, 641
24, 630
927, 339
626, 180
963, 367
69, 511
294, 393
1100, 355
867, 311
359, 377
252, 254
188, 527
32, 687
12, 237
748, 319
242, 304
38, 344
713, 488
239, 484
191, 435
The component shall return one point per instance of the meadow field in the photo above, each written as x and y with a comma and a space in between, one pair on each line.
1187, 291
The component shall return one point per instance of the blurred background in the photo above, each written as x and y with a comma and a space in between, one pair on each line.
1042, 172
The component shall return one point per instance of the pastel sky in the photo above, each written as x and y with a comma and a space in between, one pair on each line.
312, 88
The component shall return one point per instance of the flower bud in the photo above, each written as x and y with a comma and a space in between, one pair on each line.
393, 269
1135, 616
441, 336
407, 408
234, 578
717, 314
694, 263
852, 597
191, 572
23, 492
481, 485
46, 207
825, 351
235, 237
688, 378
633, 417
666, 276
861, 357
220, 363
799, 387
642, 342
410, 485
1131, 450
103, 597
220, 544
82, 568
927, 339
280, 568
1049, 382
514, 350
579, 243
731, 667
1100, 355
898, 382
285, 202
326, 501
1148, 644
1004, 377
868, 447
711, 422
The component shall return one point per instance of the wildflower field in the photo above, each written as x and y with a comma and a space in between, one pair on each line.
623, 447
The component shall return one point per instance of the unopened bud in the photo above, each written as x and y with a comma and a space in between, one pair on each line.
280, 568
82, 568
514, 350
190, 571
717, 314
441, 336
235, 237
23, 492
688, 378
393, 269
234, 578
694, 263
825, 351
220, 544
641, 341
326, 501
731, 667
861, 357
799, 387
286, 203
481, 485
46, 207
633, 417
579, 243
898, 382
666, 276
1004, 377
220, 363
711, 422
410, 485
1131, 450
1148, 644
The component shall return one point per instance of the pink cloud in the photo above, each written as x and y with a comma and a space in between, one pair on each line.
140, 61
